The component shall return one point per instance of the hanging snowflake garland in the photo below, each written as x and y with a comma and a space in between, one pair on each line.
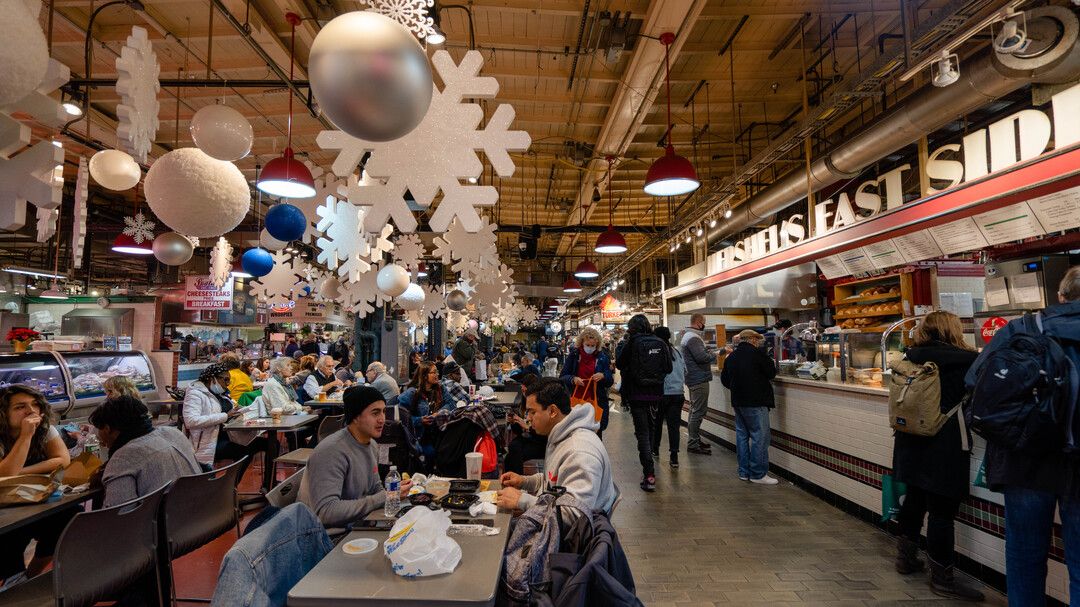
413, 14
78, 228
139, 228
362, 296
342, 223
221, 262
281, 283
137, 83
439, 154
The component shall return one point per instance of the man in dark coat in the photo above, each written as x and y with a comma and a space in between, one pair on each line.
748, 373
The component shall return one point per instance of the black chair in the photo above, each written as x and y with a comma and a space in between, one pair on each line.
286, 491
197, 510
98, 556
299, 457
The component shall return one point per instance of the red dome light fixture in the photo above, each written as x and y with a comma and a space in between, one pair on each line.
586, 269
571, 285
671, 174
127, 244
610, 242
285, 176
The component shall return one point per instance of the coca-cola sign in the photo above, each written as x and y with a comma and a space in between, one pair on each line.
202, 294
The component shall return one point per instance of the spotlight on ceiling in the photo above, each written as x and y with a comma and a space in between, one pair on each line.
727, 213
712, 223
700, 232
946, 70
437, 37
688, 238
1012, 38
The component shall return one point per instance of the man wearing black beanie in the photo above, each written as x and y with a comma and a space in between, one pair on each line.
342, 484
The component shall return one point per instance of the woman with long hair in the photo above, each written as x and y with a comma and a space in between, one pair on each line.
29, 444
589, 362
935, 468
423, 396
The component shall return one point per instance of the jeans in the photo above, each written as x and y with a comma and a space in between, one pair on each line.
667, 412
643, 432
940, 536
699, 402
752, 441
1029, 517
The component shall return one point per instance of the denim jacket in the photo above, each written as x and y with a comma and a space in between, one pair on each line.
261, 567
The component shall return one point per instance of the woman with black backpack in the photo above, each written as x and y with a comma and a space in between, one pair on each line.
644, 361
936, 468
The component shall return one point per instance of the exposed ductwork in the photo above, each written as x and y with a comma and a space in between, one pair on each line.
985, 77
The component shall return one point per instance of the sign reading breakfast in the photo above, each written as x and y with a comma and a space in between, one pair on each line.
201, 293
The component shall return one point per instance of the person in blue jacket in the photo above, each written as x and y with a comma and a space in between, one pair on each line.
423, 397
587, 360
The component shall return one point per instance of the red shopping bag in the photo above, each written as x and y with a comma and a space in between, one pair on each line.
586, 395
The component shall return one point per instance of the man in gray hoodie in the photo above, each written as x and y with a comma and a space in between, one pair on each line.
575, 458
699, 363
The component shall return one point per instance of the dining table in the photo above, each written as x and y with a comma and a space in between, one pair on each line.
347, 580
18, 515
288, 423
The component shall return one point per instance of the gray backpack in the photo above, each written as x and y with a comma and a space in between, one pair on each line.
537, 535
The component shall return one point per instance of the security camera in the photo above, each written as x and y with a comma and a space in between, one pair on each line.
1012, 38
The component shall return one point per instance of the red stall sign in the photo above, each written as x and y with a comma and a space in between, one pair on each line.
991, 326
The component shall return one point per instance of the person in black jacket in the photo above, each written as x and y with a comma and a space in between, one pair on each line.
748, 373
935, 468
641, 398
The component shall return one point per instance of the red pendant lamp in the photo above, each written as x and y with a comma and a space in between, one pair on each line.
571, 285
610, 242
126, 244
671, 174
285, 176
587, 269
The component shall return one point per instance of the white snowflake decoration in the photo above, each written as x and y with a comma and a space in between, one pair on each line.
413, 14
311, 276
341, 222
139, 228
473, 255
193, 239
78, 228
488, 296
409, 251
137, 84
362, 296
437, 155
46, 223
280, 284
380, 242
434, 303
529, 315
327, 187
221, 262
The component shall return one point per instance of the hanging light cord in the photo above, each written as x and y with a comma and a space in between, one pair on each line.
292, 18
610, 207
667, 82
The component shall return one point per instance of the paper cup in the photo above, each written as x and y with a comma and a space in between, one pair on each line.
474, 463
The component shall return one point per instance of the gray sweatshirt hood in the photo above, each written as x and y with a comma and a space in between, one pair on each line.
580, 416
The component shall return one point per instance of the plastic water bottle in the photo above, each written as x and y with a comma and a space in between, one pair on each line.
393, 492
92, 445
500, 376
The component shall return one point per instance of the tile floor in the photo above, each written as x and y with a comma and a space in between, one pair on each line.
706, 538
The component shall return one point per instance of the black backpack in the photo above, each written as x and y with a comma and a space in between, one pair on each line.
1026, 393
404, 451
650, 360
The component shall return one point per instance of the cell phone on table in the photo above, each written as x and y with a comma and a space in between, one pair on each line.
373, 525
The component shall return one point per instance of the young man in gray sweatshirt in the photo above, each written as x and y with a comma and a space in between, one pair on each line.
575, 458
341, 483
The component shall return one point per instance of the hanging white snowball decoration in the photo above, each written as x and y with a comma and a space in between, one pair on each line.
173, 249
392, 280
195, 194
370, 76
270, 243
24, 55
222, 132
115, 170
413, 297
457, 300
330, 288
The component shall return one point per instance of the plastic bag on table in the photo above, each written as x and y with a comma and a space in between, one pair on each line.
419, 545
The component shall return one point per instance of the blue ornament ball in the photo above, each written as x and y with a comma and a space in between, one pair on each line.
257, 261
286, 222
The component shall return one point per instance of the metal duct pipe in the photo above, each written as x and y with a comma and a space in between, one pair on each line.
985, 77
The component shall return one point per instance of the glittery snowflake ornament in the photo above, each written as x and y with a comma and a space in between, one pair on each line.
413, 14
438, 155
473, 255
221, 262
137, 84
344, 241
409, 251
139, 228
281, 283
362, 296
327, 187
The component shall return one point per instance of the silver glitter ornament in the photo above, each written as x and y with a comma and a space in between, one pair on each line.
456, 300
173, 249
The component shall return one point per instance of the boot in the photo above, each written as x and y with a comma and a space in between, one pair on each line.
944, 583
907, 557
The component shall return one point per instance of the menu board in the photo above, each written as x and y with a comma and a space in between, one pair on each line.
917, 246
90, 370
997, 292
884, 254
857, 262
202, 294
832, 267
961, 304
1010, 223
957, 236
1058, 211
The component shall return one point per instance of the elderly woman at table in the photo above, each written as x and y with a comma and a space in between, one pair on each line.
277, 393
207, 407
142, 458
29, 444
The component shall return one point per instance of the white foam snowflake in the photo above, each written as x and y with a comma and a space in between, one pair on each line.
327, 187
221, 262
194, 240
438, 154
310, 277
137, 84
46, 223
280, 284
473, 255
530, 315
488, 296
362, 296
139, 228
434, 303
341, 223
78, 227
413, 14
380, 242
409, 251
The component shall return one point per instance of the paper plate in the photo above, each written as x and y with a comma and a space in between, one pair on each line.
363, 545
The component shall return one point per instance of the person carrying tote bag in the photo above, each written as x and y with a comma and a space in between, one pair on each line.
588, 361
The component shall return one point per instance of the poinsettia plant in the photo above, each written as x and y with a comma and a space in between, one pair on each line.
22, 335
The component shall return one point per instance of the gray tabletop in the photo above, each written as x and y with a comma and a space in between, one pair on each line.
288, 422
13, 517
366, 579
324, 404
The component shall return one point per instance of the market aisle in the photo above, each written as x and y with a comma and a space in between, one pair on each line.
707, 538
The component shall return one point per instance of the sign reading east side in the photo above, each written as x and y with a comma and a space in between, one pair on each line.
201, 293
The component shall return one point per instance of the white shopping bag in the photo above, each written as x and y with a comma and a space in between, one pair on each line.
419, 546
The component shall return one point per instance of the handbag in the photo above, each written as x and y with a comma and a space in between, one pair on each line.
586, 395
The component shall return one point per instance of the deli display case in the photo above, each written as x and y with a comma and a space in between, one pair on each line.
43, 371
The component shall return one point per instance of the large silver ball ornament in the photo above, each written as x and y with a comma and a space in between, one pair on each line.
173, 249
392, 280
370, 76
456, 300
115, 170
413, 297
222, 132
330, 288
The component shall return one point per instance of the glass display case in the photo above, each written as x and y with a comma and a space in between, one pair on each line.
40, 370
863, 355
89, 370
827, 350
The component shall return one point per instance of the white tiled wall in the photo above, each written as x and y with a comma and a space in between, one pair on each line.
857, 424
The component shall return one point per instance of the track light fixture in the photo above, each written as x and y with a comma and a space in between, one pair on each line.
700, 232
727, 212
712, 222
1012, 38
946, 70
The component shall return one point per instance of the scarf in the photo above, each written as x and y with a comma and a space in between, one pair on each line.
285, 384
586, 366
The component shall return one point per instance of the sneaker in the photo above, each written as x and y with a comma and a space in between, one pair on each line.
744, 478
674, 463
656, 455
699, 450
706, 445
649, 483
765, 480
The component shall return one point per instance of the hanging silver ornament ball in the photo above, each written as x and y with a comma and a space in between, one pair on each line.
173, 249
330, 288
456, 300
370, 76
221, 132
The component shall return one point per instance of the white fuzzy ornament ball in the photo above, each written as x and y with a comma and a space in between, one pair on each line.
222, 132
195, 194
413, 297
24, 55
392, 280
270, 243
115, 170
